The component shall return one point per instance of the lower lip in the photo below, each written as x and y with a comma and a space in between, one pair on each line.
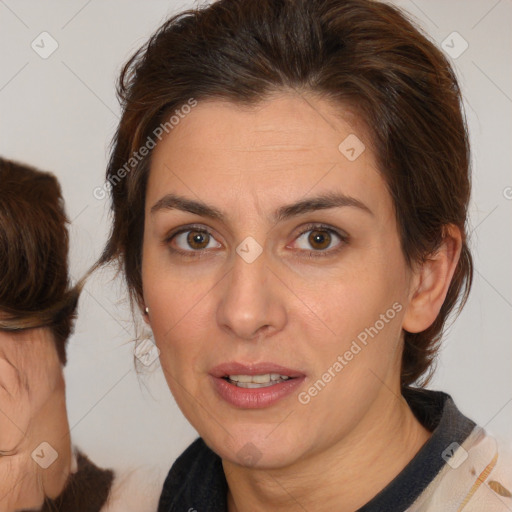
255, 398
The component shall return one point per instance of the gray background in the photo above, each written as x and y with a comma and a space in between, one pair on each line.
60, 113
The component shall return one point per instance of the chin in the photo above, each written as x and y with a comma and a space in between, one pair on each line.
257, 446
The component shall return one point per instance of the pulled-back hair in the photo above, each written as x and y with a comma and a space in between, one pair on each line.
361, 53
35, 290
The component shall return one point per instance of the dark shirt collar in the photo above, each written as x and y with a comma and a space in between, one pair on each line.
196, 480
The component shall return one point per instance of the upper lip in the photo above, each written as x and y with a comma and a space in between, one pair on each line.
235, 368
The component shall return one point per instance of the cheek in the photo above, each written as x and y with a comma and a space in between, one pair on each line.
360, 332
355, 347
353, 337
178, 316
347, 303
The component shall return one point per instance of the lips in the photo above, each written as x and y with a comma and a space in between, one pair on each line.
226, 369
251, 386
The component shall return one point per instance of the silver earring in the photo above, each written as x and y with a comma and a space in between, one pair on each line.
147, 310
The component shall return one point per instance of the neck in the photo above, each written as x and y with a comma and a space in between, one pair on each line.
25, 483
343, 478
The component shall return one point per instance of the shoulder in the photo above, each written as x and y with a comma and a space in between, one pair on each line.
94, 489
477, 477
497, 476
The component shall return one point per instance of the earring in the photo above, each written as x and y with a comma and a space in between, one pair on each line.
146, 310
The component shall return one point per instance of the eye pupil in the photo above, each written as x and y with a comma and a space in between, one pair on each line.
320, 237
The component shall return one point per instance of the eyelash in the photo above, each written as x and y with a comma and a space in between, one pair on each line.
310, 254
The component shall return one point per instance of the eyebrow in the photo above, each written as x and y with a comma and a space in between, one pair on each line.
321, 202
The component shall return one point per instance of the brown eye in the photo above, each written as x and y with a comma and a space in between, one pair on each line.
191, 241
319, 240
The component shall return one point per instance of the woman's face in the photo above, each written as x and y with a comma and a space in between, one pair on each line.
315, 295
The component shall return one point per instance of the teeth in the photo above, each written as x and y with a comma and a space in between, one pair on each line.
257, 381
253, 385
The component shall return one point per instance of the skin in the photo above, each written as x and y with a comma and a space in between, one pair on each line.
32, 411
340, 449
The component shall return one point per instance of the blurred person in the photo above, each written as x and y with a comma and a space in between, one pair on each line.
40, 469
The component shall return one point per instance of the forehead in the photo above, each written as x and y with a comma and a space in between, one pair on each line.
289, 145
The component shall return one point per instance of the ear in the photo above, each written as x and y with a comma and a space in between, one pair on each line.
431, 281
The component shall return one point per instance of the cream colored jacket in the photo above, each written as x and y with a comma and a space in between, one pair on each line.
477, 477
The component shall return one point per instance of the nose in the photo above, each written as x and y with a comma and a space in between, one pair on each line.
252, 302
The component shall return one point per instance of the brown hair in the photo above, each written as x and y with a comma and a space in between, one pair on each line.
34, 285
361, 53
